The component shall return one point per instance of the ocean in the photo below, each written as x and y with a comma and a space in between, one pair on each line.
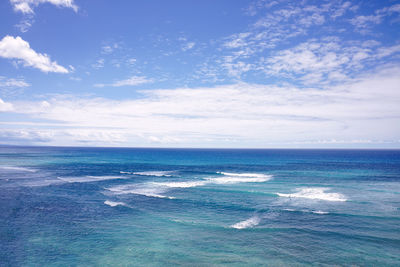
198, 207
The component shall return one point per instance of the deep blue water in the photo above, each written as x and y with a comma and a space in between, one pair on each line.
167, 207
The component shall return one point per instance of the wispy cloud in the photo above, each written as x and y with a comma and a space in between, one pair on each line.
25, 24
188, 46
108, 49
363, 23
302, 43
132, 81
11, 82
28, 6
20, 50
325, 61
98, 64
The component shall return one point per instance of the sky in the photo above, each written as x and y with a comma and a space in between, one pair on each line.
207, 74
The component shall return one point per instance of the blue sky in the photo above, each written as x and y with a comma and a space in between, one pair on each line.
200, 73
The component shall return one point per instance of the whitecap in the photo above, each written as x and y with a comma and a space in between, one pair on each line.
89, 178
215, 180
114, 204
242, 179
140, 189
251, 222
18, 169
320, 212
157, 189
233, 178
312, 211
154, 173
243, 174
181, 184
317, 193
289, 209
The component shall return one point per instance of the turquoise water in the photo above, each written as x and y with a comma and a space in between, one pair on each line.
164, 207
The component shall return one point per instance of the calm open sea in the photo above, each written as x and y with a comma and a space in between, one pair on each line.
202, 207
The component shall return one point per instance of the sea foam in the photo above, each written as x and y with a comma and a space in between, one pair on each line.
140, 189
181, 184
320, 212
232, 178
157, 189
227, 178
242, 174
251, 222
317, 193
154, 173
18, 169
114, 204
89, 178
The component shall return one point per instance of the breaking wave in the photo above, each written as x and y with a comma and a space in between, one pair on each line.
251, 222
181, 184
140, 189
89, 178
232, 178
320, 212
228, 178
114, 204
308, 211
317, 193
158, 189
154, 173
18, 169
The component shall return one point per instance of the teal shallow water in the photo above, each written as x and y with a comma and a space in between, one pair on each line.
160, 207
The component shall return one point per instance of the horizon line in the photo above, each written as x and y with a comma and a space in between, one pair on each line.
202, 148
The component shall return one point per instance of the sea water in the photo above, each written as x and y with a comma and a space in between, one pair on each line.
202, 207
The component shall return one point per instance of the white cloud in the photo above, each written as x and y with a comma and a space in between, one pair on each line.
325, 61
308, 56
249, 115
25, 24
99, 64
27, 6
132, 81
11, 82
281, 22
4, 106
16, 48
108, 49
235, 68
341, 10
131, 61
364, 22
188, 46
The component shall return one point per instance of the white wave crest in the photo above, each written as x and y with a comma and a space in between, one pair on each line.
320, 212
181, 184
18, 169
233, 178
140, 189
114, 204
89, 178
251, 222
157, 189
154, 173
308, 211
215, 180
318, 193
242, 174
